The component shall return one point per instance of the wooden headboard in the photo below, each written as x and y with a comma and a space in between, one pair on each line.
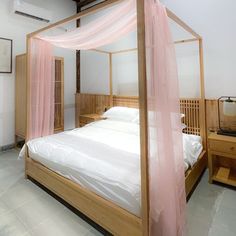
90, 103
125, 101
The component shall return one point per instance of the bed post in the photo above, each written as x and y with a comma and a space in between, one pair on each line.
111, 79
203, 130
27, 99
143, 117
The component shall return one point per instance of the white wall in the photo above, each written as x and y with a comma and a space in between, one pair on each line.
95, 68
125, 74
16, 28
215, 21
94, 72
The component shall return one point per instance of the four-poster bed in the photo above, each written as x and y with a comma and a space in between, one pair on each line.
107, 214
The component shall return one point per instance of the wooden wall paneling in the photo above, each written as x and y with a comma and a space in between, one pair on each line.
212, 114
212, 118
90, 104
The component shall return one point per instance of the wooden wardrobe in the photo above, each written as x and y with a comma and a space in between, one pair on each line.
20, 96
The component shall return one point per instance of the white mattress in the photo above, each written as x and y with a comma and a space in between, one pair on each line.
103, 157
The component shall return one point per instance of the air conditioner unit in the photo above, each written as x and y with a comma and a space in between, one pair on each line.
23, 8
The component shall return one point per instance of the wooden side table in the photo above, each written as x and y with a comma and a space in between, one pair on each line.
88, 118
223, 147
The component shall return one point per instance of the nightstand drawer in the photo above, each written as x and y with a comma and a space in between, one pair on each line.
221, 146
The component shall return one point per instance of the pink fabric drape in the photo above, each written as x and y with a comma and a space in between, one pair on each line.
166, 164
120, 21
114, 25
42, 79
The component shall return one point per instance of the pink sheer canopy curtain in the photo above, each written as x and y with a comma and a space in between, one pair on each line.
166, 163
117, 23
42, 69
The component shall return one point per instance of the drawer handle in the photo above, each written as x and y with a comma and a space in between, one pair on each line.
232, 148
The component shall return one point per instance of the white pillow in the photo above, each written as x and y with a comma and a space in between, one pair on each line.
121, 113
136, 119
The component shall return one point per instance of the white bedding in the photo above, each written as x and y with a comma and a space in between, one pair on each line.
103, 157
192, 149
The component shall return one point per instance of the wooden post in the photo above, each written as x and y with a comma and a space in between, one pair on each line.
111, 79
28, 49
202, 93
143, 117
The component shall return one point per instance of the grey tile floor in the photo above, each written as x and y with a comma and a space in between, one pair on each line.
211, 210
27, 210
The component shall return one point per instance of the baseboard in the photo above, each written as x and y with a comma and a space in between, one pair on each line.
7, 147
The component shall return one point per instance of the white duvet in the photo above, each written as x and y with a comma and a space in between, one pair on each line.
104, 157
192, 145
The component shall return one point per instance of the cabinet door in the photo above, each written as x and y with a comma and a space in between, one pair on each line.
20, 96
59, 95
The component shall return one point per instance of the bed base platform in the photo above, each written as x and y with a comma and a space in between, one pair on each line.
103, 212
192, 176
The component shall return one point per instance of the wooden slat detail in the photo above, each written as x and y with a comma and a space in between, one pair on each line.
122, 101
93, 104
191, 109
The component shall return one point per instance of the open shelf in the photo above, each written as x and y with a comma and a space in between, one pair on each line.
225, 175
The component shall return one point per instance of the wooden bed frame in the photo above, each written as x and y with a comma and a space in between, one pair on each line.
113, 218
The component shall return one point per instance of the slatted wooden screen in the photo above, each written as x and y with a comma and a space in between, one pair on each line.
191, 109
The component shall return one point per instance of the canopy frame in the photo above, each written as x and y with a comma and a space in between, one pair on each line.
142, 100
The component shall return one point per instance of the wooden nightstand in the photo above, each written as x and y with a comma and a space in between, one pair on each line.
222, 159
88, 118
